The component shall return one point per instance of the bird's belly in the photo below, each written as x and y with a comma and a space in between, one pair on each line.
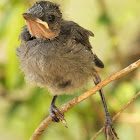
61, 73
60, 76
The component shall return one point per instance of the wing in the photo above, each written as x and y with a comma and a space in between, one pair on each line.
98, 62
81, 35
74, 31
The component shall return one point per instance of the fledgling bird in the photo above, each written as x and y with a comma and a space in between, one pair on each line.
56, 53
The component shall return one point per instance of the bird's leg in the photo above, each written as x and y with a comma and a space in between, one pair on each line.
55, 113
109, 128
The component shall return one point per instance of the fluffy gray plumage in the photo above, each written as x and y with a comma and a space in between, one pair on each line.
64, 64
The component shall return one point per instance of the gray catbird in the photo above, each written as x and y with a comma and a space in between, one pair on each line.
57, 53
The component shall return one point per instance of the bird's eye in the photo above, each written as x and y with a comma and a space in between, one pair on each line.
51, 18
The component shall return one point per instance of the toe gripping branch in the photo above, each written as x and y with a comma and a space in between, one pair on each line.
55, 113
108, 125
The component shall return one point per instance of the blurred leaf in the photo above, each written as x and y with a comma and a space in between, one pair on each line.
124, 92
5, 21
12, 70
13, 110
104, 19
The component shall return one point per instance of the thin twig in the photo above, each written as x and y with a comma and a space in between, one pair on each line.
117, 115
67, 106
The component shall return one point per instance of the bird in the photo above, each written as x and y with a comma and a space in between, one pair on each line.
56, 53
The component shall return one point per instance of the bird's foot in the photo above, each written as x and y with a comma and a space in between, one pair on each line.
56, 115
109, 129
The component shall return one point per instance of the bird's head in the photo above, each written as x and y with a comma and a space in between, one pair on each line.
43, 19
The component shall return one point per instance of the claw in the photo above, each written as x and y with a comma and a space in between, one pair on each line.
109, 129
56, 115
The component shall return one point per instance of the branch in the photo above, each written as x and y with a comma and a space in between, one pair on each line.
67, 106
117, 115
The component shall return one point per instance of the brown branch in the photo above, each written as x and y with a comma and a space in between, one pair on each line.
117, 115
67, 106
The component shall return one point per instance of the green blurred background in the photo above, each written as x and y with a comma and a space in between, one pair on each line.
116, 25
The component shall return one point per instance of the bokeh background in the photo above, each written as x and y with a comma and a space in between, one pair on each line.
116, 25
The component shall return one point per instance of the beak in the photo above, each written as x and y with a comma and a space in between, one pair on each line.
31, 17
28, 16
37, 27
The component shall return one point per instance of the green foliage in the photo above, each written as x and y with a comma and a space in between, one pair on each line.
104, 19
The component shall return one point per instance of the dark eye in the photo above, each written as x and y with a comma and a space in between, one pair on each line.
51, 18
